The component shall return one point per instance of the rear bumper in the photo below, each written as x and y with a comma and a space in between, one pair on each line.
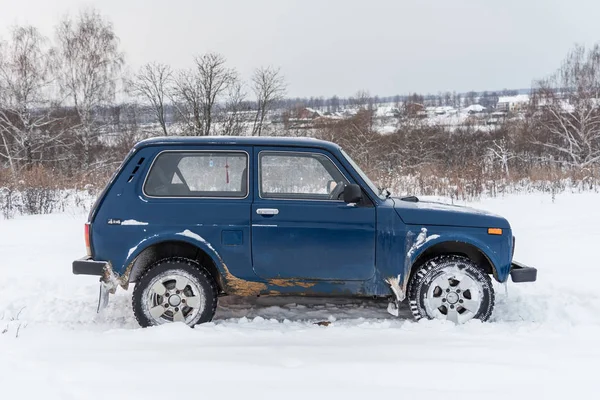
522, 273
87, 266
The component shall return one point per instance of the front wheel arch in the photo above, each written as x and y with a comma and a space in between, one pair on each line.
457, 248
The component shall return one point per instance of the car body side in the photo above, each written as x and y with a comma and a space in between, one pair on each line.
129, 229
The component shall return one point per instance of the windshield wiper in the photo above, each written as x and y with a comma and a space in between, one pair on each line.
412, 199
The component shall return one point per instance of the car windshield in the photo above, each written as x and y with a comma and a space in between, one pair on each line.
364, 176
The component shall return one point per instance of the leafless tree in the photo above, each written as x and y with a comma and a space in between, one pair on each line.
356, 136
152, 84
414, 145
233, 123
197, 92
362, 100
501, 151
186, 97
214, 79
268, 85
25, 107
470, 98
570, 109
89, 63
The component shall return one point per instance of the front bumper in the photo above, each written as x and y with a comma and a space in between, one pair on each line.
87, 266
522, 273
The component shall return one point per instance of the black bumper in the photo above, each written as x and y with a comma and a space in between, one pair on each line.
522, 273
87, 266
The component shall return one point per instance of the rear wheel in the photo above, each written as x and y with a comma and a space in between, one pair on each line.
174, 290
451, 288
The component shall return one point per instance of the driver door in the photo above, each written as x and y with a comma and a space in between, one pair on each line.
299, 231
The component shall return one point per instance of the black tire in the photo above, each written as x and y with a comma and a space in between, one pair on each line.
436, 270
191, 270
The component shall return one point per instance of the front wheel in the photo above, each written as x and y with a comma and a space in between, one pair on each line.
451, 288
174, 290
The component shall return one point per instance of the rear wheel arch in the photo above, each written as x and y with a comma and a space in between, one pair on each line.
458, 248
174, 248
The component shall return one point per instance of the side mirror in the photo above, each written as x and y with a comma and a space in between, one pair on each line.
352, 193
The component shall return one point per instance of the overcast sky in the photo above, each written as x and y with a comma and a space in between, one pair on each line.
329, 47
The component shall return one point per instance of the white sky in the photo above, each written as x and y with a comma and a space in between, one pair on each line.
328, 47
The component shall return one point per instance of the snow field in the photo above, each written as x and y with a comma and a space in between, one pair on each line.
543, 342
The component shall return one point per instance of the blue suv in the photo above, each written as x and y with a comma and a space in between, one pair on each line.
190, 219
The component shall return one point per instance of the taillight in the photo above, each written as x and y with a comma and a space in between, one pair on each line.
88, 249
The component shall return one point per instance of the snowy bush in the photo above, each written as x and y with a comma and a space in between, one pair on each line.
41, 191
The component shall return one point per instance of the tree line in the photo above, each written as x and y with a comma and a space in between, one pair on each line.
549, 144
61, 125
57, 97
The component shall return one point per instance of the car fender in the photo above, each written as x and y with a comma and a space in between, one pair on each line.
420, 246
186, 236
231, 283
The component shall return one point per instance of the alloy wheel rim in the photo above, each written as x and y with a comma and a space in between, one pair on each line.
173, 296
454, 295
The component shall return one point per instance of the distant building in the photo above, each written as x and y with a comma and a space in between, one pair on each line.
513, 103
442, 110
412, 109
309, 113
475, 109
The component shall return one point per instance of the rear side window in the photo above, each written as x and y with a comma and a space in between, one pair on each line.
198, 174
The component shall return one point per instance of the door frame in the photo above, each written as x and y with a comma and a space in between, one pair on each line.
349, 178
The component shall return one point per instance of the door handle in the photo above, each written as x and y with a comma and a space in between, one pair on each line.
267, 211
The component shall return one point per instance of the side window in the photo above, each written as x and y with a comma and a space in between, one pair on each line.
198, 174
289, 175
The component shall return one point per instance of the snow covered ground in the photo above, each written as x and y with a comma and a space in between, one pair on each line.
544, 341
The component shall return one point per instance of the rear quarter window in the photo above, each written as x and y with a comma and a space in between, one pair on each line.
198, 174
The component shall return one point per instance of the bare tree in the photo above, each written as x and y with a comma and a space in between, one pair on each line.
152, 83
269, 87
470, 98
569, 120
186, 96
361, 100
413, 146
25, 109
197, 92
233, 121
214, 79
500, 150
356, 135
89, 62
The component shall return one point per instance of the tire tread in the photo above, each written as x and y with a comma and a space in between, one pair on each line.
420, 275
137, 290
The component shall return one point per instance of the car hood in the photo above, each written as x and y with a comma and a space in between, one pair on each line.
434, 213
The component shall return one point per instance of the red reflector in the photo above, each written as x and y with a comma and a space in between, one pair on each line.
87, 239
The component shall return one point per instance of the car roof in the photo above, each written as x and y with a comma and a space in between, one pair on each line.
237, 140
